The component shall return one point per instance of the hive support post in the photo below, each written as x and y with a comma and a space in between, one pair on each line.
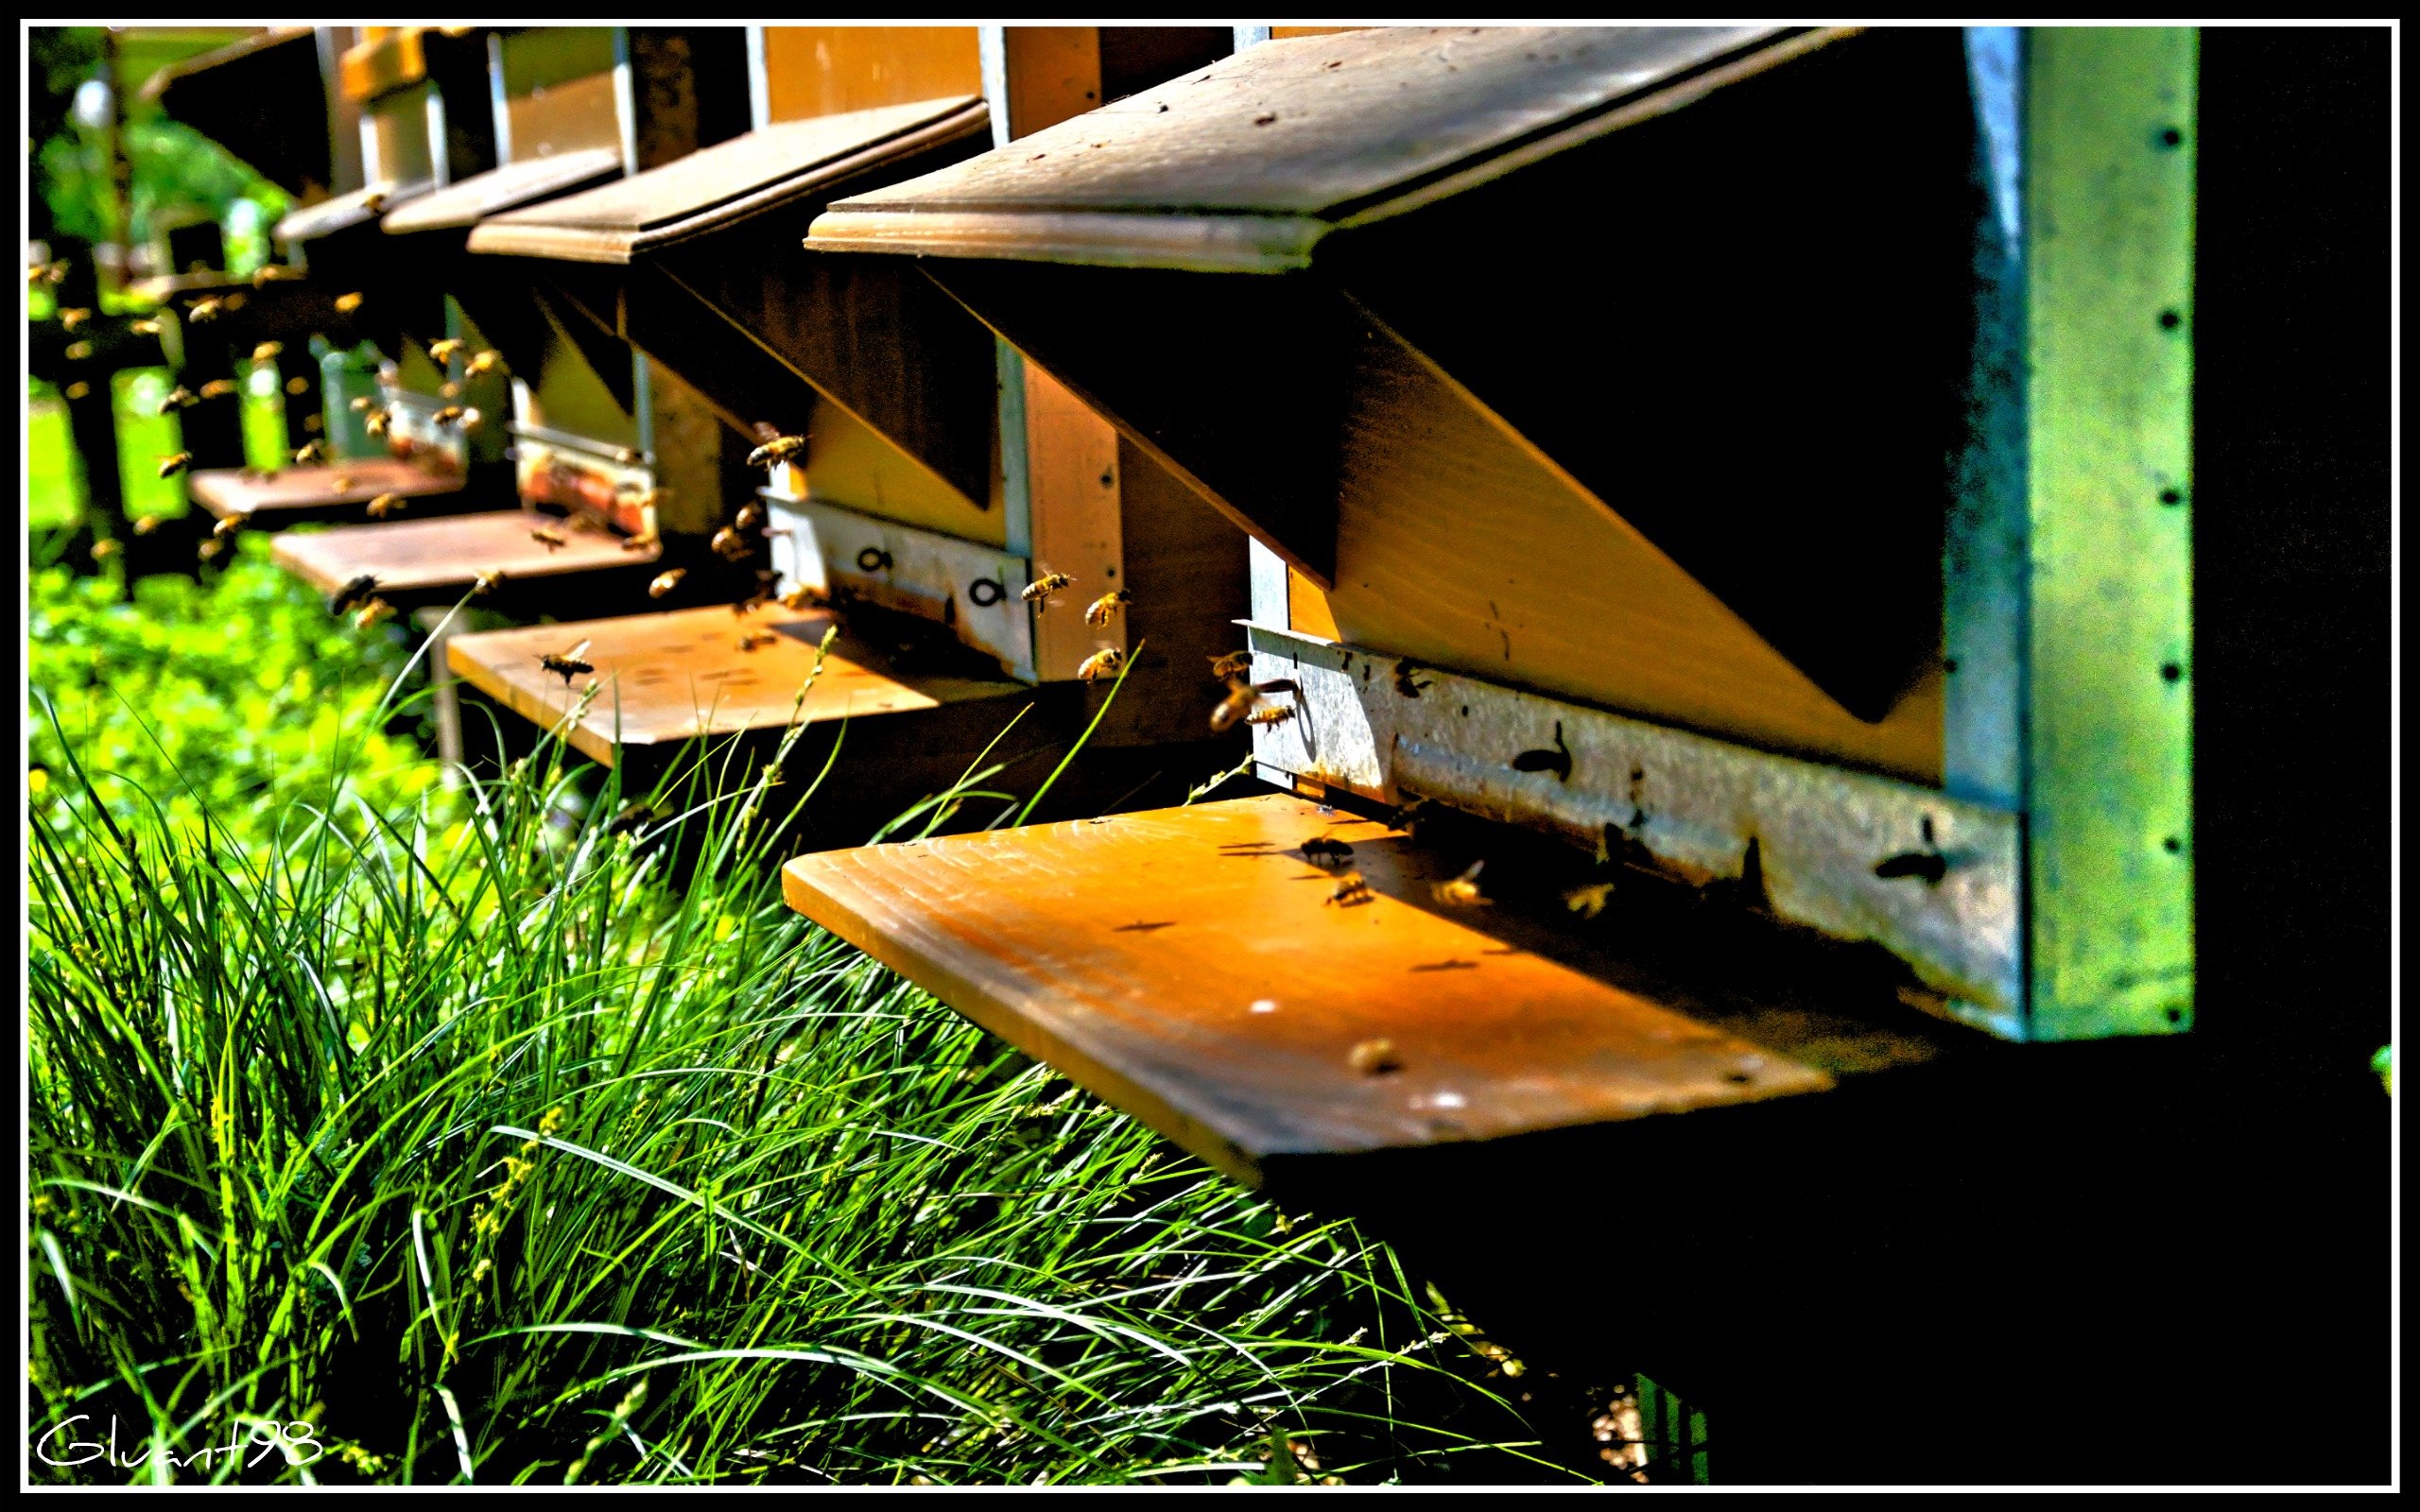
445, 698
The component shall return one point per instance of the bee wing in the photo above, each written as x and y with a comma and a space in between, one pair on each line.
577, 651
1471, 875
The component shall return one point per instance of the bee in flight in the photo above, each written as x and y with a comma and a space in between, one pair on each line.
442, 352
780, 449
361, 405
205, 309
729, 544
1351, 892
174, 463
1038, 592
268, 350
79, 390
104, 549
1462, 892
71, 319
356, 590
567, 664
665, 582
449, 415
341, 482
762, 596
147, 524
145, 328
552, 539
1103, 663
218, 388
310, 453
1325, 852
78, 350
487, 582
267, 274
372, 613
347, 303
449, 390
229, 524
1231, 666
210, 549
1236, 704
802, 596
480, 361
750, 515
385, 505
1274, 715
376, 422
1099, 610
1590, 901
641, 542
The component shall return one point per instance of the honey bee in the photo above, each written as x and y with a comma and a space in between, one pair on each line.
204, 309
174, 463
355, 592
341, 482
487, 582
1038, 592
71, 319
1351, 892
665, 582
568, 665
552, 539
375, 201
480, 361
268, 273
229, 524
210, 549
1103, 663
1099, 610
179, 398
145, 328
1590, 901
361, 403
449, 390
298, 385
104, 549
372, 613
780, 449
218, 388
800, 597
147, 524
347, 303
442, 352
1274, 715
1374, 1057
447, 415
1236, 704
642, 541
755, 638
79, 390
1462, 892
310, 453
750, 515
1325, 852
762, 596
376, 422
78, 350
268, 350
385, 505
729, 544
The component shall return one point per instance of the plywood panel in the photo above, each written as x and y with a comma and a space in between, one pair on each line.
1071, 478
1457, 544
849, 465
419, 556
1188, 966
295, 494
825, 70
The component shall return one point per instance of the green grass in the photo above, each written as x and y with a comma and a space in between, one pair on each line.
521, 1135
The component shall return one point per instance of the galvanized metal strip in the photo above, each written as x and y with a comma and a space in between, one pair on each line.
2109, 218
1394, 731
971, 588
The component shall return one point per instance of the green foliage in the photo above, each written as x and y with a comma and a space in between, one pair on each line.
54, 477
532, 1140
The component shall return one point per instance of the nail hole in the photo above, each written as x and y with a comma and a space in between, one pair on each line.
2169, 319
2172, 844
2170, 496
2172, 137
1739, 1078
1949, 663
2177, 1015
2170, 671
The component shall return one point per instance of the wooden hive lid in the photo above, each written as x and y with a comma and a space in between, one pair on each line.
725, 184
1247, 165
459, 206
262, 98
360, 208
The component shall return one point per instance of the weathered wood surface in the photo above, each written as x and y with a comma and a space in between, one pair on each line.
1248, 162
459, 206
296, 493
1186, 965
452, 552
675, 676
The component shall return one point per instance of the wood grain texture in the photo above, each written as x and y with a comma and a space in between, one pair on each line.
813, 71
1185, 965
449, 553
676, 676
462, 205
1053, 73
1071, 479
297, 492
1185, 565
1460, 544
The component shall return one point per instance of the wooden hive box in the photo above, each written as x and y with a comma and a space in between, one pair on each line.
1747, 454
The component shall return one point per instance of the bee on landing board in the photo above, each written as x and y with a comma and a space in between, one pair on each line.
800, 597
353, 592
567, 664
779, 449
1463, 891
375, 201
1103, 663
552, 539
1038, 592
341, 482
1325, 852
310, 453
755, 640
1351, 892
1374, 1057
665, 582
1099, 610
174, 463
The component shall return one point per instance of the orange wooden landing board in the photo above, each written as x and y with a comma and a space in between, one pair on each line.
1188, 966
295, 490
451, 551
682, 674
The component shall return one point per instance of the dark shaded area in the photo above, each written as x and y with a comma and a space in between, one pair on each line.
1745, 326
2128, 1261
1134, 58
263, 100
